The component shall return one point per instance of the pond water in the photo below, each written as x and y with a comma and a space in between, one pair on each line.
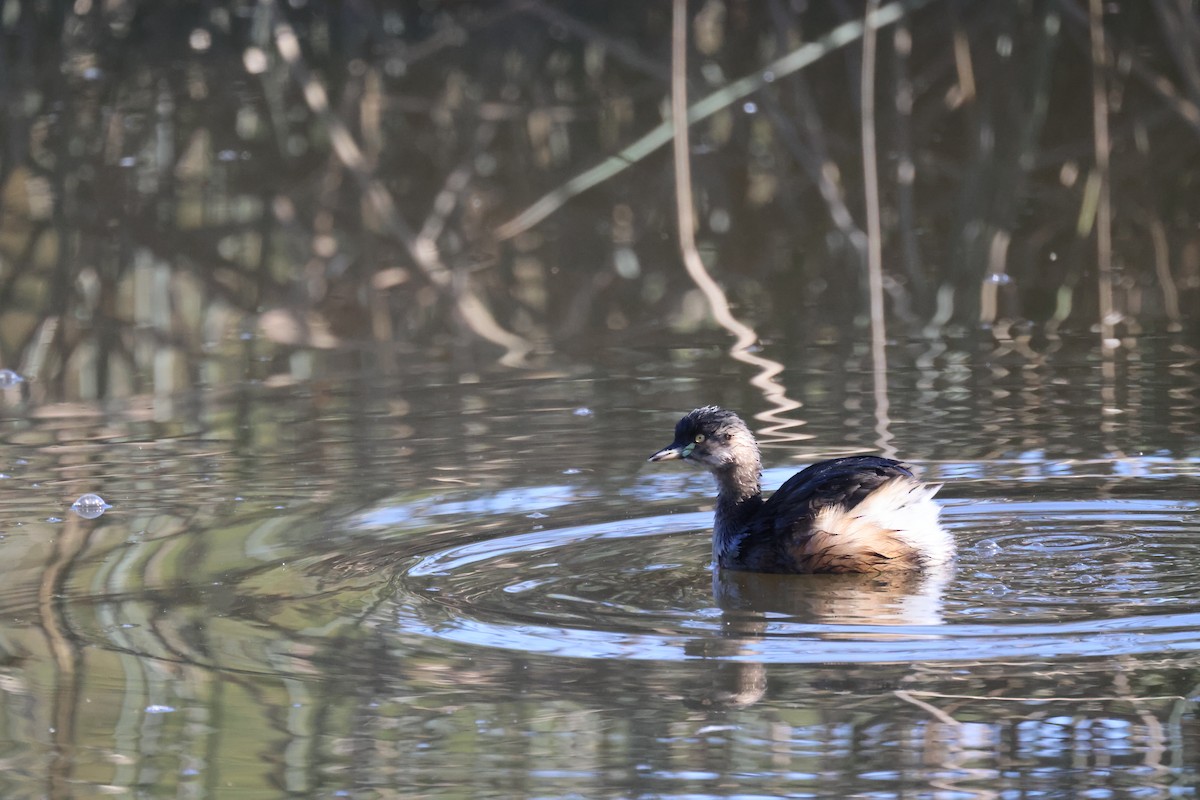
360, 320
447, 584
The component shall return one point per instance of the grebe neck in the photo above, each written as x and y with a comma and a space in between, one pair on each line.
739, 496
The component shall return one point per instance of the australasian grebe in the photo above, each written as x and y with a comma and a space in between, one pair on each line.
853, 514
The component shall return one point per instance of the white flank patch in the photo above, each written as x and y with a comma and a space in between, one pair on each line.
903, 508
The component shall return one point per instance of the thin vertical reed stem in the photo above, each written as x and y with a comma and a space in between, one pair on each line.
874, 232
745, 336
684, 203
1103, 149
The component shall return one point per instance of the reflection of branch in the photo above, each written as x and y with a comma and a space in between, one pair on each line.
811, 153
471, 307
799, 58
932, 710
910, 694
454, 187
746, 337
1155, 740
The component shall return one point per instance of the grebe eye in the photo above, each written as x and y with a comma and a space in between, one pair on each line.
699, 438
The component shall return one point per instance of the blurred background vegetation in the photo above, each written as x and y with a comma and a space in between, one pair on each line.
191, 191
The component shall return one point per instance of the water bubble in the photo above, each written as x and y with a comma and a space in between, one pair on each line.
750, 108
582, 411
90, 506
987, 547
9, 379
536, 515
155, 708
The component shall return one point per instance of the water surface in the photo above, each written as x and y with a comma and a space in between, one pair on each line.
370, 587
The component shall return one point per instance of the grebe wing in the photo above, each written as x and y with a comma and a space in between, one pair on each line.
843, 482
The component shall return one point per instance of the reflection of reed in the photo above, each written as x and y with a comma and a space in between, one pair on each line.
65, 647
294, 672
140, 243
750, 602
773, 391
731, 93
422, 248
959, 749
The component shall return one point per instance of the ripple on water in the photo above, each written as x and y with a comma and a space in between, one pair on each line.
1032, 580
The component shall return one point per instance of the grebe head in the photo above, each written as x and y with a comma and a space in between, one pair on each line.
712, 438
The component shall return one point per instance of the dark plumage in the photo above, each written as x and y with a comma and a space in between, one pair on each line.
855, 514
